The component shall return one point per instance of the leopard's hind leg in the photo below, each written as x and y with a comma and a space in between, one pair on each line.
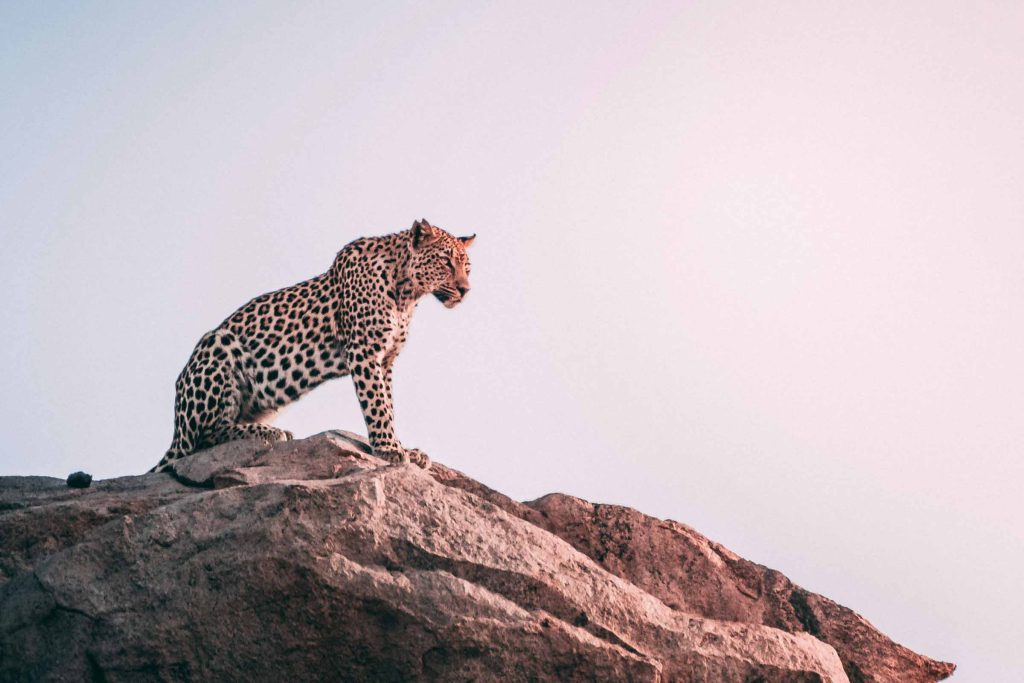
212, 401
249, 430
206, 398
236, 422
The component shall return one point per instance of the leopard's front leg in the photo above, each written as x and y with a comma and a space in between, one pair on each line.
373, 388
414, 455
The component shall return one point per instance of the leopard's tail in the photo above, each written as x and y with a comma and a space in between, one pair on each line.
165, 462
185, 432
179, 448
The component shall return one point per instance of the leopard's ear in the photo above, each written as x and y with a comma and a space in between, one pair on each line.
423, 233
467, 241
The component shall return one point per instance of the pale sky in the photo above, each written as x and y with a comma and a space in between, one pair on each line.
756, 267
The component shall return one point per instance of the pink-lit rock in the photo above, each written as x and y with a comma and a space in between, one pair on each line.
312, 560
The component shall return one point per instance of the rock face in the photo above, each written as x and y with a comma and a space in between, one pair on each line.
312, 560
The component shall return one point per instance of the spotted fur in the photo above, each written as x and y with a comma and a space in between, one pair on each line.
351, 320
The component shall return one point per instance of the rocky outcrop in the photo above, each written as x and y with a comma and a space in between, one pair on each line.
693, 574
312, 560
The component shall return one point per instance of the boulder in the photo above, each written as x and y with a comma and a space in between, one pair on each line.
314, 560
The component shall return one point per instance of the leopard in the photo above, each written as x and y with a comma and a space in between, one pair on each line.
352, 320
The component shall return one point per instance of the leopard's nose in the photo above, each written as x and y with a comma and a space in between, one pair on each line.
463, 290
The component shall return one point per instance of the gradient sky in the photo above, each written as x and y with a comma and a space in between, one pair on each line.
756, 267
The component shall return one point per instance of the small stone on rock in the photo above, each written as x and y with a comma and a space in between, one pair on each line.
79, 480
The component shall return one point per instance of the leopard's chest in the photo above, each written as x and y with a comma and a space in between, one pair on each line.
395, 338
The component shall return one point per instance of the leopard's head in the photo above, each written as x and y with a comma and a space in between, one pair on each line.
439, 263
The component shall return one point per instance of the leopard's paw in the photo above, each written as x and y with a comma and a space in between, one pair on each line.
395, 456
418, 457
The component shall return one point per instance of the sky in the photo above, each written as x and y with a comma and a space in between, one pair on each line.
756, 267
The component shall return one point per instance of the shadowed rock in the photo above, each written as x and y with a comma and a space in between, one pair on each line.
314, 560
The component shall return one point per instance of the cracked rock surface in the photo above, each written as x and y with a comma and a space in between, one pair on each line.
312, 560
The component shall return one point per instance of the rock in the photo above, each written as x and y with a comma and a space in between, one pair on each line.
40, 516
252, 461
694, 574
79, 480
312, 559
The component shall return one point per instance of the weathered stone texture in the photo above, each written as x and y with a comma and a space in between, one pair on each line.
313, 560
